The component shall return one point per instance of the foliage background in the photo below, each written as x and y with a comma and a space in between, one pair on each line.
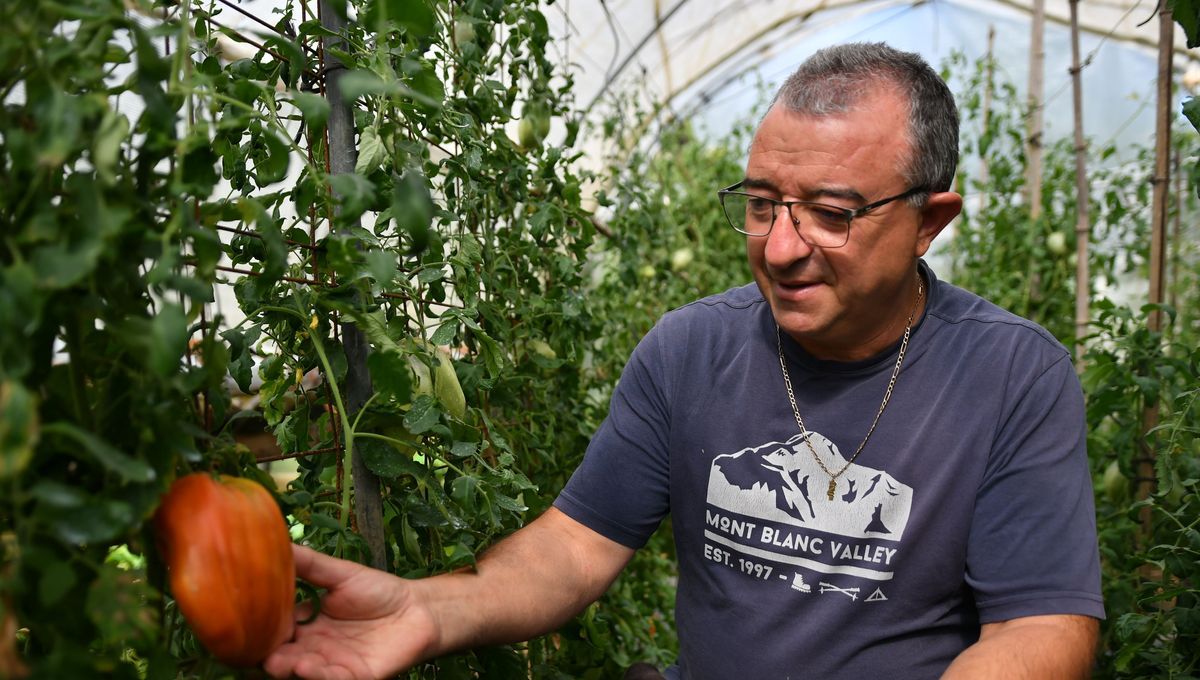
465, 224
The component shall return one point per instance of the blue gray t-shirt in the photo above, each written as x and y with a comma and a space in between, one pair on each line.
970, 504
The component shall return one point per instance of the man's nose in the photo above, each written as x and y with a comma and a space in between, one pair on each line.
784, 243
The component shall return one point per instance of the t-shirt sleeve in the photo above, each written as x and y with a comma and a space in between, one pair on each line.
622, 488
1032, 548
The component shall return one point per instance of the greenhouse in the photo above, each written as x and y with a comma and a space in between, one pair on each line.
431, 339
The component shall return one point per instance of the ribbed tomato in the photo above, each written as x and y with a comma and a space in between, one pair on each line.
229, 561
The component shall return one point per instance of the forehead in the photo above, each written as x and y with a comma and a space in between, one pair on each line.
865, 149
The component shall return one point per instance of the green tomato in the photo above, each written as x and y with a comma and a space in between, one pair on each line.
1056, 243
534, 126
1115, 483
647, 271
526, 136
541, 123
540, 348
441, 383
464, 31
680, 259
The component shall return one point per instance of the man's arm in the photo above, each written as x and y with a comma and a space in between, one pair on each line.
527, 585
1031, 647
373, 624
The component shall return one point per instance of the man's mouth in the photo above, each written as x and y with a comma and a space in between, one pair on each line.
789, 289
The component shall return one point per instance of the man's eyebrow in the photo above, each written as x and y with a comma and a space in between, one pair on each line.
758, 183
842, 192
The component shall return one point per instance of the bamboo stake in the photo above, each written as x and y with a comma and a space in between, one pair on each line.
368, 503
1146, 477
1082, 221
1162, 169
1172, 274
1033, 142
986, 113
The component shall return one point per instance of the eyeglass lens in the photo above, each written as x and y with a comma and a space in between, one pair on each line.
820, 225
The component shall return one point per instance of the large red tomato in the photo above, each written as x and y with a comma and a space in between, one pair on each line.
229, 559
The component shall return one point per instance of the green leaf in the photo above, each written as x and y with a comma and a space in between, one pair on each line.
354, 192
464, 449
388, 462
508, 503
271, 156
1187, 14
57, 579
118, 605
18, 427
241, 360
58, 495
390, 375
326, 522
313, 107
423, 415
463, 491
415, 16
429, 275
444, 333
382, 266
427, 88
106, 145
371, 151
412, 208
294, 59
167, 341
357, 82
98, 523
374, 326
199, 170
129, 468
1191, 109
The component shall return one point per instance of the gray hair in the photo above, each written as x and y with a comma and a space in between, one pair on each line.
836, 79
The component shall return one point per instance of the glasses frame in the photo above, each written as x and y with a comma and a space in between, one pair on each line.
849, 213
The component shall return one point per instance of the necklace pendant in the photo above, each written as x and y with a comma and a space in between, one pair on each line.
832, 488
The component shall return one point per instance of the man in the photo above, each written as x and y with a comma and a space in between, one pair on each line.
868, 470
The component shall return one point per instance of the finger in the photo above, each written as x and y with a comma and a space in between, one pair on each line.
303, 612
322, 570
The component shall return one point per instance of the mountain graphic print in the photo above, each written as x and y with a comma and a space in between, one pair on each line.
771, 501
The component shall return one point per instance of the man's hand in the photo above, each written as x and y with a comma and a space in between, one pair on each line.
373, 624
369, 625
1033, 647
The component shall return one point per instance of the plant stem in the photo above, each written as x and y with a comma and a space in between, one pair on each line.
347, 428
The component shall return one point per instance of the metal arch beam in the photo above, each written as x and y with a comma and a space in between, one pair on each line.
737, 49
608, 80
1096, 30
747, 44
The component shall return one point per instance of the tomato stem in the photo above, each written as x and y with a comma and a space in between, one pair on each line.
347, 430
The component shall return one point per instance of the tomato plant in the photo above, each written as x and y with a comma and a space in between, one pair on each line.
1147, 544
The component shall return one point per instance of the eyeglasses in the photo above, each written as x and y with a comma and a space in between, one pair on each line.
824, 226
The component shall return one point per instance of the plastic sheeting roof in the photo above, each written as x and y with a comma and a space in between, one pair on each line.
702, 59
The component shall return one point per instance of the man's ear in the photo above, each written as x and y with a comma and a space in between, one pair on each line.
940, 208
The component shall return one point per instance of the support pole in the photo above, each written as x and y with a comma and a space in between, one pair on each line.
1146, 475
1082, 197
368, 503
986, 113
1033, 141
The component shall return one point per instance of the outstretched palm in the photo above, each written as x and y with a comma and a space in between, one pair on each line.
366, 627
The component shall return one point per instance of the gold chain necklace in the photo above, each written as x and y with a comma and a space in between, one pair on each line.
787, 381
